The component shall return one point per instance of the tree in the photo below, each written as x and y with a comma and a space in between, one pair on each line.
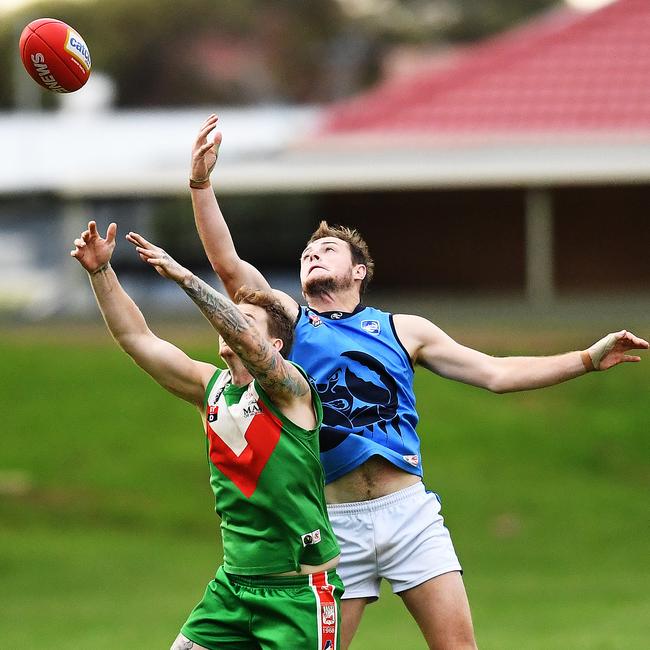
169, 53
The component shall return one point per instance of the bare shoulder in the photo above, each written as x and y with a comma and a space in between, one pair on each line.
410, 325
300, 409
287, 302
283, 382
415, 331
299, 381
290, 391
206, 372
410, 322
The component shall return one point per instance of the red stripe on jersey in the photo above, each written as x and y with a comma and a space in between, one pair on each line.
327, 614
244, 470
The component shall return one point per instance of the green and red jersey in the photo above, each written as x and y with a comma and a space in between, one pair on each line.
268, 482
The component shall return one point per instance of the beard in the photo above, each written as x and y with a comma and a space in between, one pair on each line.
323, 286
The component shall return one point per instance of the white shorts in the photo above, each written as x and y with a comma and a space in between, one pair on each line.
400, 537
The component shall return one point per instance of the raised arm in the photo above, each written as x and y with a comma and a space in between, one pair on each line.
282, 381
430, 347
168, 365
210, 223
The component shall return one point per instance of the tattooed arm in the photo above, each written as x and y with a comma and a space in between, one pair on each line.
279, 378
261, 356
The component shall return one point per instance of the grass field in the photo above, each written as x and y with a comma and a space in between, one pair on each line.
107, 535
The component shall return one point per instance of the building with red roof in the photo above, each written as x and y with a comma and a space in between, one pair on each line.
568, 73
518, 164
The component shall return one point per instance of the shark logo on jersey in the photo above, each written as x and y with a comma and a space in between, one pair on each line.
360, 395
371, 326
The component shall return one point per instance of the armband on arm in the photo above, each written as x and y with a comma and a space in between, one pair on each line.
197, 184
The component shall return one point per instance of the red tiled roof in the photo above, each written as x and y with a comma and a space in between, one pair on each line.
566, 72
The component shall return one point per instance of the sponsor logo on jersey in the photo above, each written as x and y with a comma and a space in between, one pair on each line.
315, 320
213, 413
251, 410
328, 614
75, 45
412, 460
371, 326
309, 539
336, 315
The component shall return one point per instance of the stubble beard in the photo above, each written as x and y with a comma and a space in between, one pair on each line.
327, 286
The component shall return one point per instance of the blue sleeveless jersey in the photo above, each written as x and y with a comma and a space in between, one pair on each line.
364, 378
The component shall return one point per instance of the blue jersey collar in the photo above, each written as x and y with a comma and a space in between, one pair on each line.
336, 314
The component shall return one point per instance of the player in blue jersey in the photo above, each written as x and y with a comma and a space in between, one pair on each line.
362, 362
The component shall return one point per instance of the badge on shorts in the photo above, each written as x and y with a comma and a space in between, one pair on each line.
328, 614
309, 539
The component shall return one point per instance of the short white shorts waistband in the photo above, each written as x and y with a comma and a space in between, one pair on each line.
373, 505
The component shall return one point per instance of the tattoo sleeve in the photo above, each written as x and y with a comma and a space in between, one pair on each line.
261, 359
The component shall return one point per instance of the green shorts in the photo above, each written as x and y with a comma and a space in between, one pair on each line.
262, 613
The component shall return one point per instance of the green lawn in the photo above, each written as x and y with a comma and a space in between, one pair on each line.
107, 535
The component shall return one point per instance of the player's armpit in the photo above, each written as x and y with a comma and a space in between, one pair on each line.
169, 366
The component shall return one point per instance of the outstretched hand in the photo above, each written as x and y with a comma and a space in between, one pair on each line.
164, 263
91, 250
611, 349
205, 152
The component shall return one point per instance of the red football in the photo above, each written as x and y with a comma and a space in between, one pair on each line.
55, 55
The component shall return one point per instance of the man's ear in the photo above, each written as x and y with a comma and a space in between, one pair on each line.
359, 272
278, 344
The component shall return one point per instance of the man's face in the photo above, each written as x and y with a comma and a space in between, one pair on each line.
326, 265
254, 315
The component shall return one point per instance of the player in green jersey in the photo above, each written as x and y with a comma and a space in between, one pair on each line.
277, 587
